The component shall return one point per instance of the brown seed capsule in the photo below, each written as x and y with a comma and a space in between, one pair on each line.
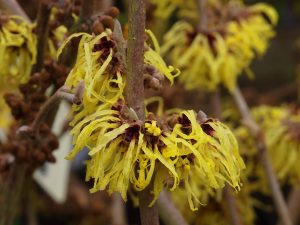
21, 152
51, 158
53, 143
113, 12
108, 22
97, 27
39, 156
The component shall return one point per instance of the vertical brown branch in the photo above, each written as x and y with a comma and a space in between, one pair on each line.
235, 216
149, 215
294, 204
43, 16
168, 212
134, 91
135, 57
227, 192
202, 9
87, 9
216, 104
12, 191
257, 133
30, 202
118, 210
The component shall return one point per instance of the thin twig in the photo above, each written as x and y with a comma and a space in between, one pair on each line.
30, 199
61, 93
118, 210
257, 133
235, 217
12, 191
149, 215
294, 205
43, 16
13, 7
87, 9
135, 57
134, 91
216, 104
168, 212
202, 8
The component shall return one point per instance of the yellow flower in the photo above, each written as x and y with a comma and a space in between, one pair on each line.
5, 116
57, 33
17, 52
100, 64
214, 153
184, 9
165, 8
281, 126
127, 153
152, 128
57, 36
219, 55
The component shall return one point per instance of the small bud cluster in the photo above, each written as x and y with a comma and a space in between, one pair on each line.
29, 149
105, 20
25, 145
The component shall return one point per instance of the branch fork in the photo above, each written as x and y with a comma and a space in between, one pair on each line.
63, 93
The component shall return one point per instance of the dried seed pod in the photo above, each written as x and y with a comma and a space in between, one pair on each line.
97, 27
114, 12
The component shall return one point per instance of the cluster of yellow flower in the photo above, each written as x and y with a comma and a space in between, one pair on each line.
216, 205
18, 49
126, 152
57, 34
281, 126
17, 52
100, 64
18, 55
222, 51
164, 9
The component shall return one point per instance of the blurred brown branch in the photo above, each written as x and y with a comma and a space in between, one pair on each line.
44, 10
257, 133
61, 93
166, 208
118, 210
294, 205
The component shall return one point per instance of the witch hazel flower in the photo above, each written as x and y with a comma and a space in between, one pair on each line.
172, 150
127, 154
225, 49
